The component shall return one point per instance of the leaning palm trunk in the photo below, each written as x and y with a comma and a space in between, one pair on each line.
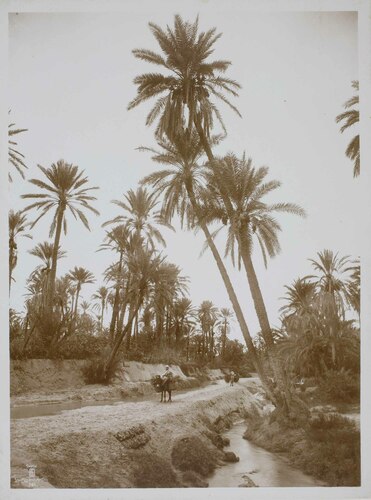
119, 339
116, 304
283, 395
232, 296
288, 401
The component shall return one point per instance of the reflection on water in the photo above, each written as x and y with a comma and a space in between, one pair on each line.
42, 410
263, 467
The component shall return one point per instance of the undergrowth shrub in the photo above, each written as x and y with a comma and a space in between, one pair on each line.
340, 386
94, 371
192, 454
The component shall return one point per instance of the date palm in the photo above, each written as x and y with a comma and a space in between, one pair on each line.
236, 199
140, 216
143, 266
44, 251
120, 240
331, 280
17, 225
63, 190
350, 117
331, 283
15, 157
182, 183
79, 276
207, 315
184, 93
224, 318
101, 295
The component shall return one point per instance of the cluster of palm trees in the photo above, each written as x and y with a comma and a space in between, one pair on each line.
316, 336
203, 191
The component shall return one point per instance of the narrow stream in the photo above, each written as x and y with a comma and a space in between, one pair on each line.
263, 467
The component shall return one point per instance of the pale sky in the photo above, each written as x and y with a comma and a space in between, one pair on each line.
71, 78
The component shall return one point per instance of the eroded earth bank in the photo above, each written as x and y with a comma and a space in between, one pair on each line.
141, 443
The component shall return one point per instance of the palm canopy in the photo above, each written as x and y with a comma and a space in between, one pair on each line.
247, 215
15, 157
80, 276
184, 93
140, 217
350, 117
299, 297
65, 189
182, 173
207, 314
17, 224
44, 251
331, 279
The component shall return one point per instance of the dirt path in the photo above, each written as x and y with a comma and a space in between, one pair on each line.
98, 446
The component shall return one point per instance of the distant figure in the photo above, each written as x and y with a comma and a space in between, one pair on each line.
231, 378
167, 378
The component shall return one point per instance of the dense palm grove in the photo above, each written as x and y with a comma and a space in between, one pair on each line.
141, 308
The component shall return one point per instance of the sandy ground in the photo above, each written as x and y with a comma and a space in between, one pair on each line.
103, 446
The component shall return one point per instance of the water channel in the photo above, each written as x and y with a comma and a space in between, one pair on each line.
263, 467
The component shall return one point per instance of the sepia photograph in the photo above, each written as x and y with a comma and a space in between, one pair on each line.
184, 190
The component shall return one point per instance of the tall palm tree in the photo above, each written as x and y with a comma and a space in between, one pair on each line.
15, 157
80, 276
121, 241
66, 190
101, 294
44, 251
331, 280
207, 315
140, 216
17, 225
184, 94
182, 183
184, 318
235, 198
143, 266
349, 118
237, 191
224, 318
169, 287
333, 293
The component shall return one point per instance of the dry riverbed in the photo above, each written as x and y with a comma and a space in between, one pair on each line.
132, 444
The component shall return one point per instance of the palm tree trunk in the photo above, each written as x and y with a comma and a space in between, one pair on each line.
53, 271
76, 302
232, 297
283, 399
286, 395
122, 335
12, 260
116, 304
103, 304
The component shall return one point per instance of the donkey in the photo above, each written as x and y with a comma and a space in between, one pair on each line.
163, 386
